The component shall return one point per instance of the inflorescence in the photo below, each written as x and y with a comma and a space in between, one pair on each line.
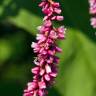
46, 48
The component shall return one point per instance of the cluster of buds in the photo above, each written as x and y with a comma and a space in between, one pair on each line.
46, 48
92, 11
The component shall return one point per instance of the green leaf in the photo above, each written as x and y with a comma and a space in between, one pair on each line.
17, 13
27, 21
77, 68
5, 51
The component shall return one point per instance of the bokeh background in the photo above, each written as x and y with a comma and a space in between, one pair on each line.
77, 68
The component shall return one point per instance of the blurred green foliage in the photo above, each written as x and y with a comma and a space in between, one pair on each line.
77, 68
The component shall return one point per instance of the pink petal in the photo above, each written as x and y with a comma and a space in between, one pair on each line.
45, 18
35, 61
48, 23
39, 36
56, 4
61, 29
48, 68
56, 59
47, 77
41, 93
51, 52
53, 35
53, 18
61, 36
53, 74
42, 71
58, 49
42, 4
41, 62
32, 85
35, 70
35, 93
59, 18
93, 22
58, 11
50, 60
42, 85
34, 45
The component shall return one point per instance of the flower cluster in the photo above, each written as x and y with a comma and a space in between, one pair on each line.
46, 49
93, 12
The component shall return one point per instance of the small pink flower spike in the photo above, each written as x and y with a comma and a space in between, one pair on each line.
92, 10
46, 62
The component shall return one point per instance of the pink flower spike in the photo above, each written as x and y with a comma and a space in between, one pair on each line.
45, 47
92, 11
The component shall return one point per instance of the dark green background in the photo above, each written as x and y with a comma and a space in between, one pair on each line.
77, 68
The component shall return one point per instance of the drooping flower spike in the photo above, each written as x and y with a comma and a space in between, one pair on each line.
92, 10
46, 48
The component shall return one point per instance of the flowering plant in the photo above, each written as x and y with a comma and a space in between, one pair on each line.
46, 49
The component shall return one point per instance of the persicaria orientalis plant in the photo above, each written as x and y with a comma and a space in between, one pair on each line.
46, 48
